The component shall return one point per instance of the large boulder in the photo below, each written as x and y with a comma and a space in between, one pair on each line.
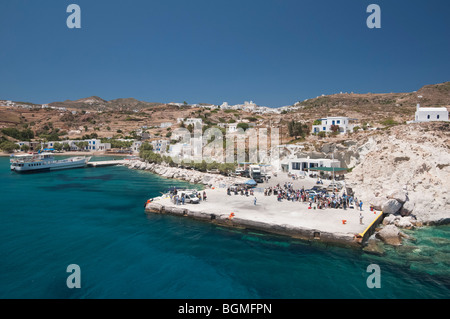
390, 235
407, 208
400, 195
377, 202
405, 222
391, 206
390, 219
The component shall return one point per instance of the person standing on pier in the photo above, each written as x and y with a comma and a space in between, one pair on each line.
254, 201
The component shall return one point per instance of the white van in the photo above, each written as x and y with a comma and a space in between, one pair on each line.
190, 197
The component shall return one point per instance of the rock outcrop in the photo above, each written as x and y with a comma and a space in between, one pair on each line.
188, 175
406, 170
390, 235
400, 221
391, 206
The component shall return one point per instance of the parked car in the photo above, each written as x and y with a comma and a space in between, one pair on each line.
312, 192
334, 186
190, 197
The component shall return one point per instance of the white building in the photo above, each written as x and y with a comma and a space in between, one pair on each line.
136, 146
165, 124
428, 114
232, 127
224, 106
196, 122
296, 165
23, 143
326, 124
93, 145
160, 146
104, 146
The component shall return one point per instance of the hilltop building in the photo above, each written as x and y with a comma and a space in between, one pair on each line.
430, 114
196, 122
165, 124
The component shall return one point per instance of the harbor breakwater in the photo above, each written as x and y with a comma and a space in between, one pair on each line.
227, 220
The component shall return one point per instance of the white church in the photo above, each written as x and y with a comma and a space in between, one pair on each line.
429, 114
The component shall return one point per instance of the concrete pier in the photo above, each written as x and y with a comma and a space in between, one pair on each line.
106, 163
288, 218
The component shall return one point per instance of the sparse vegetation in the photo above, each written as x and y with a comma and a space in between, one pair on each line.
389, 122
22, 135
8, 146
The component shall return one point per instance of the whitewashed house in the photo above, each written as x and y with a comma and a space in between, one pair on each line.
196, 122
160, 146
165, 124
23, 143
97, 145
344, 124
232, 127
136, 146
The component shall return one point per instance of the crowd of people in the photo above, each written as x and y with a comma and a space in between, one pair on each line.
319, 200
240, 190
316, 200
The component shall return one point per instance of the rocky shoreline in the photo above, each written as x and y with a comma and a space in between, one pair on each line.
188, 175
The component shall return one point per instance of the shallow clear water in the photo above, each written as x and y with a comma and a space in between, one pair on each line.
94, 217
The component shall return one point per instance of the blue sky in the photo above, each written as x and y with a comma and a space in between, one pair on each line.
274, 52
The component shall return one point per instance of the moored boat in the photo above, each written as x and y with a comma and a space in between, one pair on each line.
45, 162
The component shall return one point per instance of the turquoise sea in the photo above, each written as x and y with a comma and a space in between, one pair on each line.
94, 217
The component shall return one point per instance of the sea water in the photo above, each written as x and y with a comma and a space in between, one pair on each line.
94, 218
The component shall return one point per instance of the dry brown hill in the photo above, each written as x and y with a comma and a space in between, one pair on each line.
375, 107
122, 116
96, 103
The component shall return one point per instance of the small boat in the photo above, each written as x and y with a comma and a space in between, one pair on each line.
44, 162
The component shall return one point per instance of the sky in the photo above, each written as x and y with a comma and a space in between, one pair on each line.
273, 52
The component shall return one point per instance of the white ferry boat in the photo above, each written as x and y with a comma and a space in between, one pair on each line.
44, 162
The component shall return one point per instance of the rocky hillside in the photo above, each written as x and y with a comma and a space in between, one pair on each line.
406, 170
374, 108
